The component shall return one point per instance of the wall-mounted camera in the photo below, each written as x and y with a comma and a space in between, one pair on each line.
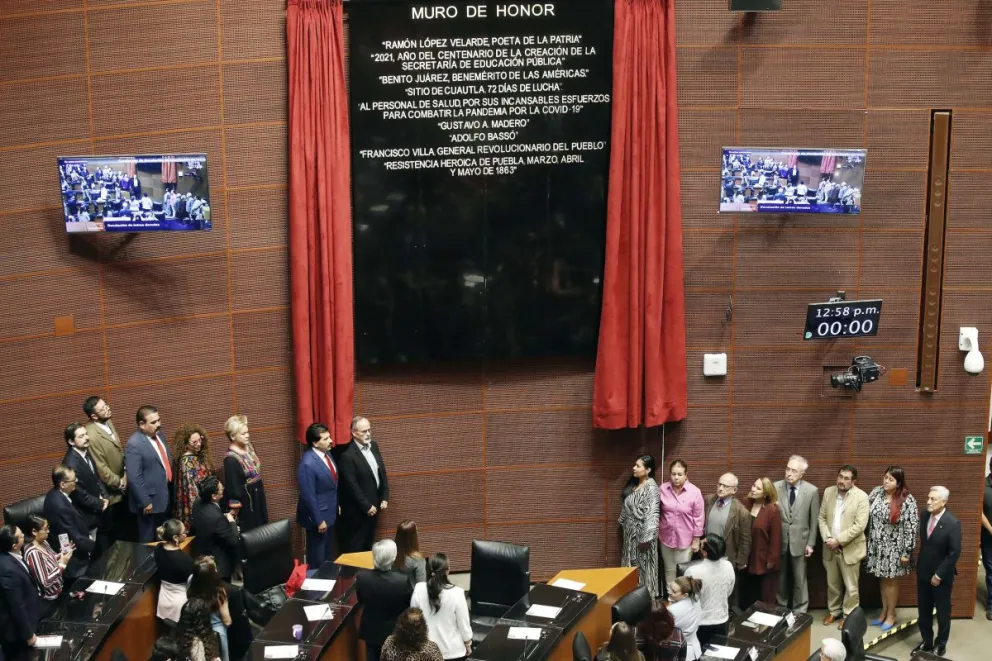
862, 370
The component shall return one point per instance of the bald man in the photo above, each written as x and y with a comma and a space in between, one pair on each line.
728, 518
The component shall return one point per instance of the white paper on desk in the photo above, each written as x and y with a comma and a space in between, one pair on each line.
318, 584
764, 619
319, 612
722, 652
281, 651
104, 587
48, 641
523, 633
568, 585
539, 610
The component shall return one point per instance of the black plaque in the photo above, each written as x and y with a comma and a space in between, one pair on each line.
838, 319
480, 154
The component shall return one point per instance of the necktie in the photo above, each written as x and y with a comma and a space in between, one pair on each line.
165, 459
330, 467
792, 496
931, 526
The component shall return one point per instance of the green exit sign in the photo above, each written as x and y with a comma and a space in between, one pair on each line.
974, 444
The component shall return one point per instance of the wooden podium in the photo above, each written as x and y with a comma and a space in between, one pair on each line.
608, 584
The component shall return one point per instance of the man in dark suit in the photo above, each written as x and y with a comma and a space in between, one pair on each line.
149, 469
89, 496
317, 507
936, 566
108, 456
64, 518
384, 593
20, 603
364, 488
215, 533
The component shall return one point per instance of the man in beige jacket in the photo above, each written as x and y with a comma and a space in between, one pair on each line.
843, 519
108, 456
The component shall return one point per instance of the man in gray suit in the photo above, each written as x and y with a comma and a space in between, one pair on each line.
149, 470
800, 504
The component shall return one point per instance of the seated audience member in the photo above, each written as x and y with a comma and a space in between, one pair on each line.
385, 593
205, 585
46, 566
445, 610
409, 559
65, 519
20, 605
832, 649
717, 577
194, 634
216, 533
166, 649
662, 640
173, 568
684, 595
622, 645
409, 641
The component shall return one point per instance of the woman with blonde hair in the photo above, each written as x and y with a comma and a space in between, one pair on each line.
243, 487
191, 452
763, 565
409, 559
687, 612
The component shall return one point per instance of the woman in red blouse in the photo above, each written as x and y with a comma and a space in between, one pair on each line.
45, 565
191, 452
763, 565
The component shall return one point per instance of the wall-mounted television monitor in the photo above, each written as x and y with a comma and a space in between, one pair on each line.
791, 180
135, 193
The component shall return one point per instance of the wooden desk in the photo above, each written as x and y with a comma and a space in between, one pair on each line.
362, 560
789, 644
608, 584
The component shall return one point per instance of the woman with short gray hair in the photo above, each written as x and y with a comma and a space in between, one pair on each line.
832, 649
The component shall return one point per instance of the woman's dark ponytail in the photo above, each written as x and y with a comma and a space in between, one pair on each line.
437, 579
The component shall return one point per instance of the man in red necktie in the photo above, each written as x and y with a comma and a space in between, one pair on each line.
149, 471
936, 566
317, 507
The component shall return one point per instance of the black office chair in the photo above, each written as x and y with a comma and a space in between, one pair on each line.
16, 514
580, 648
632, 607
500, 577
267, 560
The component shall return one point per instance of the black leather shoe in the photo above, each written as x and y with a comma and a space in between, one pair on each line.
940, 649
923, 647
988, 614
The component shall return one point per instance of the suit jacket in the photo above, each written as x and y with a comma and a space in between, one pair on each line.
216, 536
853, 521
89, 488
384, 595
358, 488
108, 455
799, 520
146, 479
939, 553
64, 518
318, 491
20, 604
737, 532
766, 539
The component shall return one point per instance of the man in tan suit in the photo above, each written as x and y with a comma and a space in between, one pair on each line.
843, 519
108, 455
728, 518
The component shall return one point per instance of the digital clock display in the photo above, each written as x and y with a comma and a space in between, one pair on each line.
828, 321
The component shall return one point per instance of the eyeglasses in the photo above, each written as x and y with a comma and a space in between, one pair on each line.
726, 486
363, 432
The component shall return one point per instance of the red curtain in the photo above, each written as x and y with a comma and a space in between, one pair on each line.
828, 164
641, 364
169, 172
320, 217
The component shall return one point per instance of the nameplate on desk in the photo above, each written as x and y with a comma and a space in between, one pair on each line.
105, 587
790, 619
281, 651
722, 652
568, 585
540, 610
318, 584
764, 619
48, 641
753, 653
319, 612
523, 633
